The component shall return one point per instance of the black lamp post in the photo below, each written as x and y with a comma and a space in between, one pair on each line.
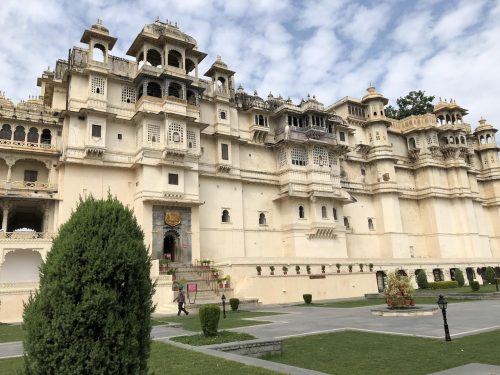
223, 298
443, 304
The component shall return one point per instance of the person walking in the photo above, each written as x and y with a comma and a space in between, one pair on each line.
181, 300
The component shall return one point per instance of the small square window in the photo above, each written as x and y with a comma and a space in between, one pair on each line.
342, 136
30, 176
119, 136
173, 179
96, 131
223, 115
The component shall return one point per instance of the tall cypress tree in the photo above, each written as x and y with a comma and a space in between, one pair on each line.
92, 312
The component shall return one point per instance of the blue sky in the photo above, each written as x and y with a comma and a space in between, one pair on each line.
331, 49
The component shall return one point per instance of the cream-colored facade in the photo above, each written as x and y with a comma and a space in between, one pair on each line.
212, 171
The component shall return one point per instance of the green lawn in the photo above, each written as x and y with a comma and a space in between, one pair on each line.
233, 319
10, 332
372, 353
222, 337
168, 359
376, 301
464, 289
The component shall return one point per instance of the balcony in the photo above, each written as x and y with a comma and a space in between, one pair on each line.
45, 148
24, 236
259, 133
315, 132
28, 185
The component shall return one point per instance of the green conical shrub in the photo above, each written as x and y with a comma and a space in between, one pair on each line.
422, 280
92, 312
459, 277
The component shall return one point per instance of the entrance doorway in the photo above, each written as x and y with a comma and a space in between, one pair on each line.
170, 245
381, 281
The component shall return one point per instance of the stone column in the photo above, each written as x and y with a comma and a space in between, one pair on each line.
46, 215
5, 217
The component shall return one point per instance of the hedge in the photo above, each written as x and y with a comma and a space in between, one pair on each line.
443, 285
209, 319
234, 302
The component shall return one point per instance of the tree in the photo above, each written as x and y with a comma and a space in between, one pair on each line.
459, 277
489, 275
415, 103
92, 312
422, 280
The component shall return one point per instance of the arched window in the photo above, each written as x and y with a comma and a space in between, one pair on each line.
221, 84
175, 90
191, 97
346, 223
33, 135
261, 120
6, 132
323, 212
438, 274
153, 58
19, 134
301, 212
334, 213
452, 140
98, 53
176, 137
462, 140
488, 138
262, 218
225, 216
412, 143
370, 224
154, 89
457, 141
448, 119
140, 60
401, 273
174, 58
190, 66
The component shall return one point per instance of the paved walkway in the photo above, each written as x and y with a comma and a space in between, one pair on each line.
465, 318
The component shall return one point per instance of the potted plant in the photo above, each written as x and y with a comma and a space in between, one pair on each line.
271, 268
350, 267
361, 265
323, 268
371, 267
227, 281
285, 270
297, 269
172, 271
338, 267
308, 269
259, 270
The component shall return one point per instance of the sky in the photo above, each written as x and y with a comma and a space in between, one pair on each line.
327, 48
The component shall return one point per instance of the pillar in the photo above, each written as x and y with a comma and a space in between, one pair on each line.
5, 217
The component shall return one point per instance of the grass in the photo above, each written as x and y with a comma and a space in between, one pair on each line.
376, 301
372, 353
221, 338
233, 319
169, 359
464, 289
11, 332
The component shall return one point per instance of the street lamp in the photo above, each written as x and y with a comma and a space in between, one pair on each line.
443, 304
223, 298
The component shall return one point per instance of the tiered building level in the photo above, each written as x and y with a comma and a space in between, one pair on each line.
212, 171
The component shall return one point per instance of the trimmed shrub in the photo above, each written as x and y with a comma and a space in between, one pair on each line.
489, 275
399, 291
459, 277
443, 285
422, 280
209, 319
92, 312
234, 302
307, 298
474, 285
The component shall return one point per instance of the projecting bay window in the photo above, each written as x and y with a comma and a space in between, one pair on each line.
173, 179
96, 131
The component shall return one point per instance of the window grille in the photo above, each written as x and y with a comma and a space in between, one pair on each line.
299, 156
332, 159
154, 133
97, 85
192, 140
175, 128
320, 156
282, 157
128, 94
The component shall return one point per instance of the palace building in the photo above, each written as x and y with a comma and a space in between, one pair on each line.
215, 172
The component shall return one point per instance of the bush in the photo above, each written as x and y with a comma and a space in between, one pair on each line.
209, 319
474, 285
443, 285
307, 298
489, 275
399, 291
234, 302
459, 277
422, 280
92, 312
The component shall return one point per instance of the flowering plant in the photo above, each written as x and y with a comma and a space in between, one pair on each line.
399, 291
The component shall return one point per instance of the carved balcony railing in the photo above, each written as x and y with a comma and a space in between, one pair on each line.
25, 235
9, 143
28, 185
